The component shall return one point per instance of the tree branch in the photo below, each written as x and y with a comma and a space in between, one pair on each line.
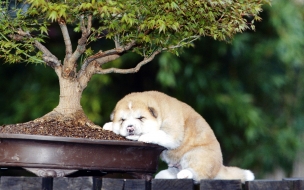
69, 65
50, 59
66, 37
117, 42
118, 51
92, 68
101, 54
131, 70
85, 33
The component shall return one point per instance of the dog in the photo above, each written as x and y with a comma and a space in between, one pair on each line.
192, 150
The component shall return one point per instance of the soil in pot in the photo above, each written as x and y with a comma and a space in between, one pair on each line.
64, 128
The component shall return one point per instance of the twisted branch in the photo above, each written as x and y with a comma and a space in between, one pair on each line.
117, 51
92, 68
93, 63
131, 70
101, 54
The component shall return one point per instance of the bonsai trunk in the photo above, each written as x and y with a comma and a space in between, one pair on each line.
69, 98
69, 108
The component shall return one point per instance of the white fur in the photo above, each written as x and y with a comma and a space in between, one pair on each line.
140, 127
249, 175
116, 128
159, 137
108, 126
185, 174
130, 105
170, 173
133, 137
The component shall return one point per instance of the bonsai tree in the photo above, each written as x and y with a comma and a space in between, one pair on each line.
144, 27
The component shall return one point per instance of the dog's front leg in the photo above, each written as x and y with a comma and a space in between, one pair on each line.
111, 126
133, 137
161, 138
108, 126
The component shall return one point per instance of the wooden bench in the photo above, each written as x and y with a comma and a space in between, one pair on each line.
97, 183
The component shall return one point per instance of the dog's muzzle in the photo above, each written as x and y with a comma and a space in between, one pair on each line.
130, 129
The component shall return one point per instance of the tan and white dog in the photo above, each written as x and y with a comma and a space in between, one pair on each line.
192, 148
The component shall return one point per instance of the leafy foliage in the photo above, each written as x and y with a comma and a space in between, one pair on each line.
152, 25
16, 50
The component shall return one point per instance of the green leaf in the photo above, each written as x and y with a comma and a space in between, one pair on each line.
53, 16
43, 29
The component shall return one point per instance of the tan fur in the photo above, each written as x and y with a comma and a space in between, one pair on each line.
197, 147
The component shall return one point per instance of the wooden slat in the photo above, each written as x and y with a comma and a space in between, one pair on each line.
112, 184
20, 183
72, 183
90, 183
220, 184
298, 183
171, 184
268, 185
135, 184
97, 182
47, 183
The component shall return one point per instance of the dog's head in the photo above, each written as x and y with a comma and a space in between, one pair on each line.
134, 118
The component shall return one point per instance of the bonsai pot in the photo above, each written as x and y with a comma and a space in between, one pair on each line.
51, 156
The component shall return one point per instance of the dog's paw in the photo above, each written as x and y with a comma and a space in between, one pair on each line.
169, 173
133, 137
108, 126
147, 138
185, 174
249, 176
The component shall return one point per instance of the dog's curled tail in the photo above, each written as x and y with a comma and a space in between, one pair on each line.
235, 173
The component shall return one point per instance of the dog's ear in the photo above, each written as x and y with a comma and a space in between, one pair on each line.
112, 116
152, 111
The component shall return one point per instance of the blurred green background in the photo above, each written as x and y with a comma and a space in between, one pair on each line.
250, 91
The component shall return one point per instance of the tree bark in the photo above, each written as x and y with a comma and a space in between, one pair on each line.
70, 95
69, 107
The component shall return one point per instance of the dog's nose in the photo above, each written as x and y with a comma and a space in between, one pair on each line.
130, 128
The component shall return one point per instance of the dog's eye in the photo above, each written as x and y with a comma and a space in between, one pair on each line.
141, 118
122, 120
